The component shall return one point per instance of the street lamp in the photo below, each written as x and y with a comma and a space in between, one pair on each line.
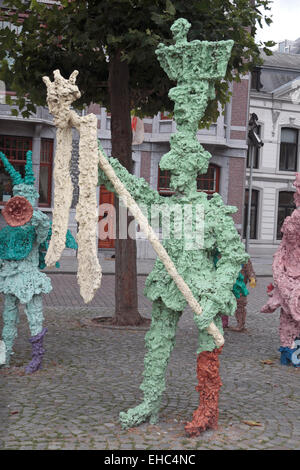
254, 142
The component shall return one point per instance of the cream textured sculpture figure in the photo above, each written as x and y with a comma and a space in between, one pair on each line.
60, 95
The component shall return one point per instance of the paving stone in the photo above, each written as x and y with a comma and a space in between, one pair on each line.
92, 373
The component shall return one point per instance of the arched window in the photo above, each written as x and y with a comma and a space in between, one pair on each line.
253, 213
286, 205
209, 183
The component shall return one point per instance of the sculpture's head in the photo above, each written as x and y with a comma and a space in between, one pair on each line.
22, 186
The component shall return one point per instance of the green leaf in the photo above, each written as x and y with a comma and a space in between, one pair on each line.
170, 8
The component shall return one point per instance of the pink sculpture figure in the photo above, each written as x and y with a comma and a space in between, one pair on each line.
285, 292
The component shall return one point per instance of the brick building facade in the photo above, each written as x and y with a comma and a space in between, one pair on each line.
226, 141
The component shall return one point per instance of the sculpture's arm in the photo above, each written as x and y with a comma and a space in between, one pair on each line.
273, 303
220, 299
41, 223
137, 187
250, 273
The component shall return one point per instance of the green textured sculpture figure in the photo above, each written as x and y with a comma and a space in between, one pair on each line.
22, 246
195, 66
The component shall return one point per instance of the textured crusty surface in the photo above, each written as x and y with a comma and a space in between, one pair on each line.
158, 247
209, 384
286, 275
195, 66
89, 270
22, 282
60, 95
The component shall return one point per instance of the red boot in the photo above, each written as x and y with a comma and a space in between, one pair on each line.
209, 384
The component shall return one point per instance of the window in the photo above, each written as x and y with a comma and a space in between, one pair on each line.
165, 115
165, 123
253, 213
255, 79
208, 183
164, 179
256, 152
15, 149
288, 149
46, 172
286, 205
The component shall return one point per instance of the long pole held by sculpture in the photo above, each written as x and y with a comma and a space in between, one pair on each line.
60, 95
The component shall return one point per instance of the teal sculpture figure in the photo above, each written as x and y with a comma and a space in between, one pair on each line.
23, 244
20, 278
196, 66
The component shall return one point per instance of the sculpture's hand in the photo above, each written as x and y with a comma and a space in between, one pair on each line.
252, 282
273, 303
41, 223
209, 310
268, 308
221, 301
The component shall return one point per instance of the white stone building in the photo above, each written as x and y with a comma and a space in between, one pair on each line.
275, 100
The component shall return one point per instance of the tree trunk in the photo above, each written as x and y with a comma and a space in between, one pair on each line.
126, 310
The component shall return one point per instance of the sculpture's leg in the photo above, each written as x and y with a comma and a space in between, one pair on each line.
160, 341
209, 384
240, 314
34, 312
10, 320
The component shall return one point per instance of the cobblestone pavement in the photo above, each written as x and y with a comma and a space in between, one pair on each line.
91, 373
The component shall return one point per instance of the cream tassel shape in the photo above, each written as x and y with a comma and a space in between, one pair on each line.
60, 94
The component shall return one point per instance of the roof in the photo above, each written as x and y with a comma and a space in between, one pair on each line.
281, 60
278, 69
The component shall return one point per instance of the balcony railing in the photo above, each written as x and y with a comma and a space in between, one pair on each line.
41, 114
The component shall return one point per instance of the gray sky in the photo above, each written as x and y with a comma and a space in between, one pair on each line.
286, 22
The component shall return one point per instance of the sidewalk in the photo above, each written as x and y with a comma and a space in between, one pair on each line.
91, 373
262, 265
